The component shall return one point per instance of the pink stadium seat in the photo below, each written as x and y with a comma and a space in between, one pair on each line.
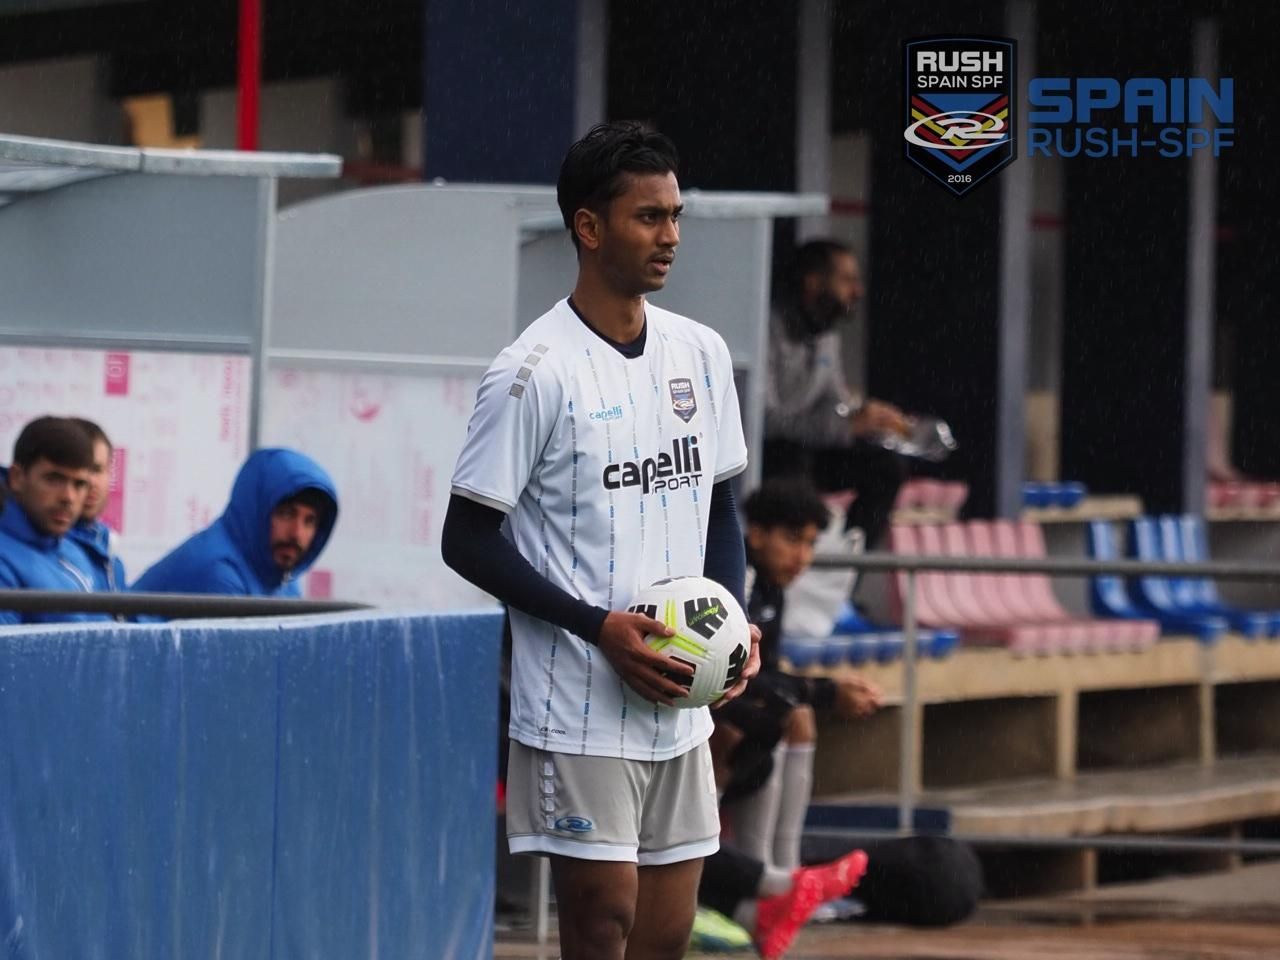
935, 606
966, 595
1064, 635
1101, 635
930, 493
954, 495
908, 497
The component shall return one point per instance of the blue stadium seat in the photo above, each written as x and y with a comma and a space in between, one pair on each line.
803, 651
1155, 596
1198, 595
888, 647
835, 650
1195, 549
1107, 595
932, 643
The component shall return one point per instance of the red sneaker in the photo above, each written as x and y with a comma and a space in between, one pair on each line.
843, 875
779, 919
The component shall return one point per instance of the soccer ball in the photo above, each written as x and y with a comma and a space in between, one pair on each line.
712, 634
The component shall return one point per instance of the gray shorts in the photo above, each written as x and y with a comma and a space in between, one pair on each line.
603, 808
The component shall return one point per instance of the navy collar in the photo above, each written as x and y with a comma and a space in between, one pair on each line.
629, 350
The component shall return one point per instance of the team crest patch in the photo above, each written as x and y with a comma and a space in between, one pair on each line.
682, 400
960, 108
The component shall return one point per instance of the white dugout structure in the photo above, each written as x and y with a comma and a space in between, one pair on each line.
366, 316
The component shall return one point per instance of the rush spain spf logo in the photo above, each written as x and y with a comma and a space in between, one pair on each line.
960, 108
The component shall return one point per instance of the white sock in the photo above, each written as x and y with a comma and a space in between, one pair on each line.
797, 788
774, 882
755, 817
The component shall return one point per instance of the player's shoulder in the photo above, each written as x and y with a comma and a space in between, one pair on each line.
543, 342
682, 329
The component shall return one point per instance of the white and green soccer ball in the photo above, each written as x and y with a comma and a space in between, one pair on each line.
711, 634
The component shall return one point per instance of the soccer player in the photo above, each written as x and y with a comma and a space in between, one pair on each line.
605, 438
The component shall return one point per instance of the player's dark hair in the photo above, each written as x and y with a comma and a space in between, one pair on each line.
816, 256
62, 442
594, 170
786, 502
312, 497
94, 431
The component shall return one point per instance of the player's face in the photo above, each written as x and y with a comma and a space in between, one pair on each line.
95, 500
833, 295
782, 553
51, 495
293, 527
638, 238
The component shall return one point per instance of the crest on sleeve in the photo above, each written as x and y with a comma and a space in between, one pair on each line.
683, 402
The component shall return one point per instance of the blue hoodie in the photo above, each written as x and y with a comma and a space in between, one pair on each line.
94, 538
233, 554
36, 561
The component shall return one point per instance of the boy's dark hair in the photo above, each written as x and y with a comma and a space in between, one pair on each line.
594, 169
61, 441
789, 503
94, 431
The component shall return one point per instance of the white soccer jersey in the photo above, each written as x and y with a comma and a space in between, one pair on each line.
604, 465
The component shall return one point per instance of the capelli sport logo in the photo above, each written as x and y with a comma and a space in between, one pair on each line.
960, 108
682, 467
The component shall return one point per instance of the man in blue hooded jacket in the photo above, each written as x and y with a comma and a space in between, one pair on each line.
282, 510
47, 482
93, 535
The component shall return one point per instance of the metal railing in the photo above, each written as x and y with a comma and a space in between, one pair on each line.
174, 605
913, 565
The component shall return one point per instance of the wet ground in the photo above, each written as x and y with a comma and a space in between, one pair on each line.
1228, 916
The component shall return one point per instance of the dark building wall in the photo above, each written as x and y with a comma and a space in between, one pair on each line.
1247, 293
499, 89
1124, 332
934, 268
719, 78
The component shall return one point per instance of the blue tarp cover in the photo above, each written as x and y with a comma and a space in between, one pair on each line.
318, 787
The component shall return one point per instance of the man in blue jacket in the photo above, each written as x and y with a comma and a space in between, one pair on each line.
93, 535
282, 509
48, 482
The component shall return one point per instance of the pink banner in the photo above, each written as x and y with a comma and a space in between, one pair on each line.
117, 374
113, 513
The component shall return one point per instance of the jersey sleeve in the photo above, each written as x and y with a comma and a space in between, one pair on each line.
513, 417
731, 444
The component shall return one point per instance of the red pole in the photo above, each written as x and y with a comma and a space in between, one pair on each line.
249, 74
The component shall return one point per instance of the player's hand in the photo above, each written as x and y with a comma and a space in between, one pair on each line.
644, 670
876, 416
750, 670
856, 698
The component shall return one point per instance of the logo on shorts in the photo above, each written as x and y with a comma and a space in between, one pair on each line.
682, 400
575, 824
960, 108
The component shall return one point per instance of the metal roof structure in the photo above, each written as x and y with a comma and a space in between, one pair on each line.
29, 164
128, 248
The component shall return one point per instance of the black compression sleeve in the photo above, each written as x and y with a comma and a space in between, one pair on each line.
473, 545
726, 559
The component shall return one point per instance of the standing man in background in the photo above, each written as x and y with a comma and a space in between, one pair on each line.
571, 446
